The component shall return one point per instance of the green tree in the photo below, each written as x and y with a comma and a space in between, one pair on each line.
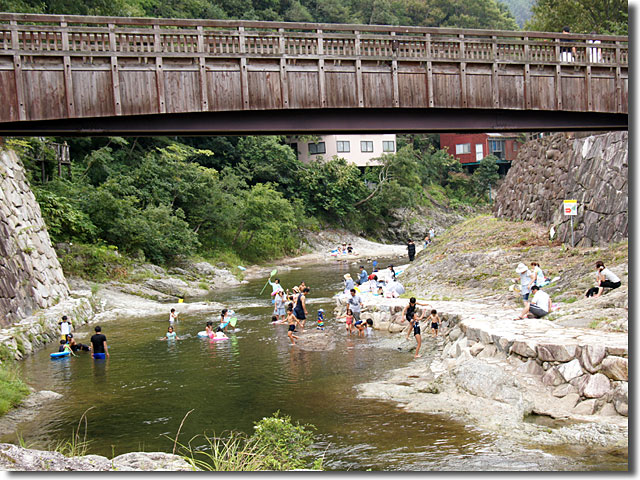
331, 188
582, 16
486, 175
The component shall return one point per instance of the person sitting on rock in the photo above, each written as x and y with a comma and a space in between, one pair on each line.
605, 278
540, 304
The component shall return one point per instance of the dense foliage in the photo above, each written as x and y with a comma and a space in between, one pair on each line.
159, 198
431, 13
582, 16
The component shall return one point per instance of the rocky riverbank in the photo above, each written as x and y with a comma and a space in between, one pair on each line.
497, 373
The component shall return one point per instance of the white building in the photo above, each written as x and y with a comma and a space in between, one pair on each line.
357, 149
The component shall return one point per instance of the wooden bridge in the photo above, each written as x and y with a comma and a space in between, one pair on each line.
110, 75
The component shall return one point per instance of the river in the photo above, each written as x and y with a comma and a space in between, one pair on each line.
142, 393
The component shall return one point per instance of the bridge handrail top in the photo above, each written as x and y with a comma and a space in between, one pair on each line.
30, 17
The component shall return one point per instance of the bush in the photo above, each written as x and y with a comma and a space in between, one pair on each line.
276, 444
12, 389
98, 263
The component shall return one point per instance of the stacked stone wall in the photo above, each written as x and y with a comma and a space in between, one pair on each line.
591, 170
31, 277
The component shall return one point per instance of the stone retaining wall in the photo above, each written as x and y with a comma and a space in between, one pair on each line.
30, 275
586, 370
591, 170
32, 333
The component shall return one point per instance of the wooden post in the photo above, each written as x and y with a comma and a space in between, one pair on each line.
463, 75
244, 78
429, 72
204, 96
494, 72
284, 85
394, 73
527, 74
68, 80
17, 71
115, 75
558, 78
618, 80
359, 87
157, 48
321, 76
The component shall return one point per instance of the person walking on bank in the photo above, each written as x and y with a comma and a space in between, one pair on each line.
411, 250
526, 281
99, 344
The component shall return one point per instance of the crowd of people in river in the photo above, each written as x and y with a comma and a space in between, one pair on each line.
290, 307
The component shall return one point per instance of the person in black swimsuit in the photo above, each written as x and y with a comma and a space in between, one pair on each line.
300, 310
409, 313
293, 321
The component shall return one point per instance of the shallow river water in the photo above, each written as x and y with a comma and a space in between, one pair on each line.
141, 394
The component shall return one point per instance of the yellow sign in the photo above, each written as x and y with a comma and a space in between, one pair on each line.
570, 207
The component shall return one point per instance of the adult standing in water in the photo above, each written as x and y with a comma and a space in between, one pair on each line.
411, 250
99, 344
300, 310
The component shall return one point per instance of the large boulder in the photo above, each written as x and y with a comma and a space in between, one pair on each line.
571, 370
552, 377
616, 368
170, 286
621, 399
587, 407
552, 352
596, 386
591, 357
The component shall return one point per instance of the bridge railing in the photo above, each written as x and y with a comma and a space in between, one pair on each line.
78, 36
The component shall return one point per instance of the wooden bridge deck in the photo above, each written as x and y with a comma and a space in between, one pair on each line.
71, 67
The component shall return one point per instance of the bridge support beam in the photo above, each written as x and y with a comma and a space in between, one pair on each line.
319, 121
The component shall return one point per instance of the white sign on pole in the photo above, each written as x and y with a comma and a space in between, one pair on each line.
570, 207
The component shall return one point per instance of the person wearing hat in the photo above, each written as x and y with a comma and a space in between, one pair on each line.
526, 280
348, 283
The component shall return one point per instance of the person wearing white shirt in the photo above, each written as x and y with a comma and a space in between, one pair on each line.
540, 304
605, 278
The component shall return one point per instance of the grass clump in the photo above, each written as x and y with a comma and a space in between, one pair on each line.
277, 444
12, 389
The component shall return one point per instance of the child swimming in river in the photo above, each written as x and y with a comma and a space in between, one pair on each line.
209, 329
171, 335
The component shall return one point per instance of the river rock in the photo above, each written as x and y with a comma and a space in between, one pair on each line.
616, 368
384, 326
488, 351
568, 402
595, 386
170, 286
151, 461
621, 399
461, 344
608, 410
564, 390
571, 370
489, 381
552, 377
524, 348
556, 352
204, 268
17, 458
455, 333
531, 367
395, 328
587, 407
476, 348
